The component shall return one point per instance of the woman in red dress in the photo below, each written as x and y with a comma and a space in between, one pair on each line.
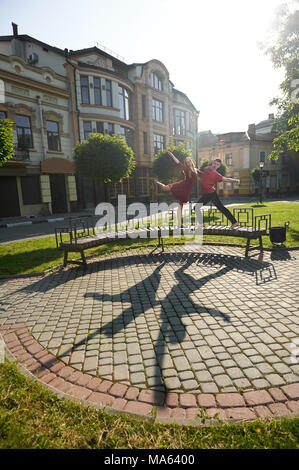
182, 189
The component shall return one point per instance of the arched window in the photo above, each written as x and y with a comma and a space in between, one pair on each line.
157, 81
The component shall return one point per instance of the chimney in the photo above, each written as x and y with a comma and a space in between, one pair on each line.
271, 116
251, 130
15, 29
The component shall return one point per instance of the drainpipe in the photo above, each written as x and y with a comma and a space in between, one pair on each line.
76, 93
40, 112
44, 150
66, 52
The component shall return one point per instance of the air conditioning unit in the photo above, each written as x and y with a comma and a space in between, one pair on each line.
32, 59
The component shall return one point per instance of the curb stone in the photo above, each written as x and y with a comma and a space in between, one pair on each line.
18, 344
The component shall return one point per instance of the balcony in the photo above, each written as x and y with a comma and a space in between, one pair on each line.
20, 155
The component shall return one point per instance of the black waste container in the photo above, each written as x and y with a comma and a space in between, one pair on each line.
278, 234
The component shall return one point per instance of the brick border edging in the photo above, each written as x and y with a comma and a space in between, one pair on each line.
181, 408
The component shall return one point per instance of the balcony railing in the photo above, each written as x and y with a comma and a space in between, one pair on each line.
20, 155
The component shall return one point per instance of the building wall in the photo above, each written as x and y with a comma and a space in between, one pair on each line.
40, 94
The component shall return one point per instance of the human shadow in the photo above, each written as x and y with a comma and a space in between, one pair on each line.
169, 332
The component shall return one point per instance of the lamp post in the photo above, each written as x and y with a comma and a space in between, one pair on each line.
261, 181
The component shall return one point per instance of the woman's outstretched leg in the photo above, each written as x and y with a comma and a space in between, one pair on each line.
180, 210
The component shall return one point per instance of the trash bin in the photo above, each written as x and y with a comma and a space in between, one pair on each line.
278, 234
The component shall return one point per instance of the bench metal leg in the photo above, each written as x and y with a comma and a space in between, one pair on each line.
247, 247
83, 258
261, 243
65, 258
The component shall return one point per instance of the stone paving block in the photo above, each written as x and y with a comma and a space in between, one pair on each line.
172, 400
80, 392
279, 409
258, 397
153, 397
291, 391
101, 398
137, 407
209, 387
222, 380
187, 400
203, 376
181, 363
275, 379
229, 400
262, 411
240, 413
293, 406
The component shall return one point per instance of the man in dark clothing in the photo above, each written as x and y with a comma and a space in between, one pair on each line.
209, 178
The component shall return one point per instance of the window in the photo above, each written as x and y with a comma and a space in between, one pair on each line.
180, 122
158, 142
229, 159
100, 127
53, 136
127, 134
157, 110
142, 181
157, 82
30, 185
110, 128
87, 129
2, 115
24, 131
262, 156
108, 93
97, 91
145, 146
143, 103
273, 182
123, 103
84, 90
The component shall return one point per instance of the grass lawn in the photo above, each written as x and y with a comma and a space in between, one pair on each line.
39, 254
32, 417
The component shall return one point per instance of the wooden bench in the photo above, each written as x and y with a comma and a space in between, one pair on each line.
82, 236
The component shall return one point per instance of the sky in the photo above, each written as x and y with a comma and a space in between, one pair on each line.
209, 47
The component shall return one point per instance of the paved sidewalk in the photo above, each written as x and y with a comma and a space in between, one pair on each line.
179, 334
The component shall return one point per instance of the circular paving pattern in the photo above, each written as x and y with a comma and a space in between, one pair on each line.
179, 321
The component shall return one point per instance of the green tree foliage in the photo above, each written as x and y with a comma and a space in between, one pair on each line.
222, 169
164, 167
6, 140
284, 53
107, 158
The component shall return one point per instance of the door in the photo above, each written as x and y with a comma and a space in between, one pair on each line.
9, 199
58, 194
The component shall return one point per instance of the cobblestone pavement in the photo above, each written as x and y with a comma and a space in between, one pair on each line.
187, 330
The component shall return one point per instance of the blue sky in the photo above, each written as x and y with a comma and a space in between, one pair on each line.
210, 48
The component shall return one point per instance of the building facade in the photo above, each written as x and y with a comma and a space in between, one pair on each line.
57, 98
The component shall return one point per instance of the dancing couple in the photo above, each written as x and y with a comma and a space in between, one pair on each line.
183, 189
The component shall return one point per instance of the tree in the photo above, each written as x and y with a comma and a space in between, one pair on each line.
164, 167
107, 158
284, 53
6, 140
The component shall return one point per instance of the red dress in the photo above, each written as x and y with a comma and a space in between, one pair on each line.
183, 189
